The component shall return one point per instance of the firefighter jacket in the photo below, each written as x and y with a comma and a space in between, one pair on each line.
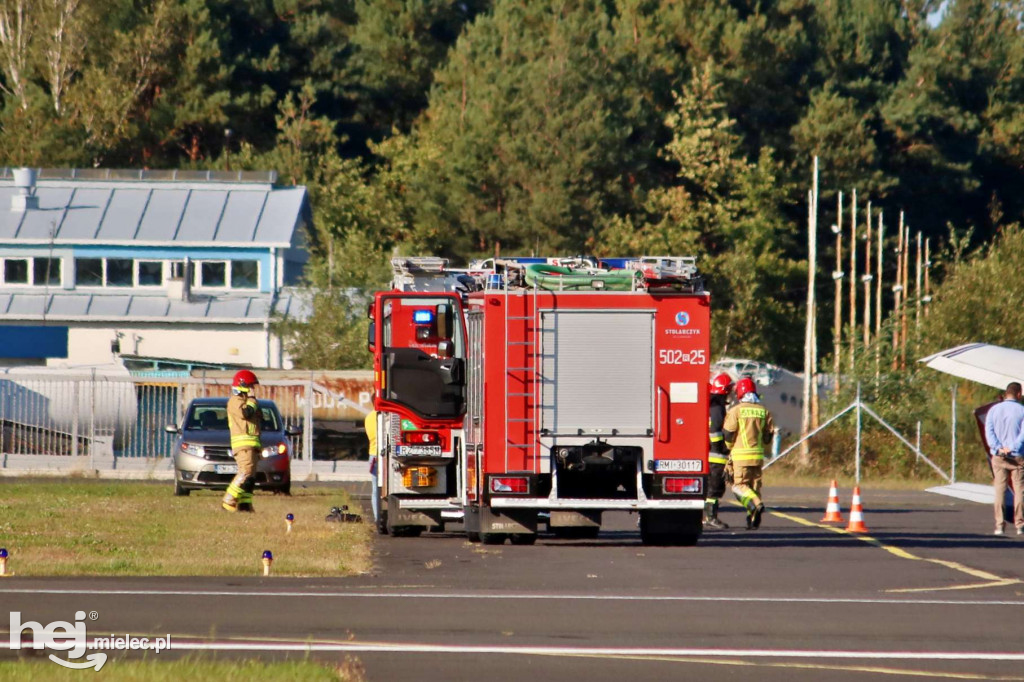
718, 453
748, 428
244, 421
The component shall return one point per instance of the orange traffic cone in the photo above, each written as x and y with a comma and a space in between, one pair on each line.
832, 511
856, 524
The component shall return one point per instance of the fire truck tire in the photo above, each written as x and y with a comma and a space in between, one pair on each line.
576, 532
406, 531
493, 538
382, 522
652, 534
523, 538
473, 536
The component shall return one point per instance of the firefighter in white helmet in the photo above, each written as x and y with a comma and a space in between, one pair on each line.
748, 428
244, 422
718, 454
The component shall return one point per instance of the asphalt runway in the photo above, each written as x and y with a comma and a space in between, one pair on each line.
928, 593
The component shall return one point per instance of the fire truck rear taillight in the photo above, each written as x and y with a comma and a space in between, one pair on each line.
512, 485
421, 437
679, 486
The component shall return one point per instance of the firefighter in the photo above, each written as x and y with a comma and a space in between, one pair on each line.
718, 454
244, 419
748, 428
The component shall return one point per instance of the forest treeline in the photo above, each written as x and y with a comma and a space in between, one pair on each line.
612, 127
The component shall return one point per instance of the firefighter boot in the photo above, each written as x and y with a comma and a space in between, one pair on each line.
229, 502
711, 519
234, 493
245, 498
757, 516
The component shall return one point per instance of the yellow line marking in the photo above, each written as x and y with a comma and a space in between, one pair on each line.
972, 586
993, 579
932, 674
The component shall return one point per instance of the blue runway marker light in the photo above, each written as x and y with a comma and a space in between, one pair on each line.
423, 316
3, 553
268, 558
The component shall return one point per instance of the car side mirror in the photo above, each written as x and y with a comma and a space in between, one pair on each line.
171, 428
293, 431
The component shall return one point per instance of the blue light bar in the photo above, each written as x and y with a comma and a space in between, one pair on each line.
423, 316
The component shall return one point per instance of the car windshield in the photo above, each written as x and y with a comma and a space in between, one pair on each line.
215, 418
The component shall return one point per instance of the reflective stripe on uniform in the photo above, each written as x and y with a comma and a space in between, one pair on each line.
714, 459
245, 441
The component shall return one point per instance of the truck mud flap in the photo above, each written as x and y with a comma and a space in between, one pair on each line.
590, 518
400, 517
485, 520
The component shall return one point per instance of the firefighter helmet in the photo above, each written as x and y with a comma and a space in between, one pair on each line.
244, 380
745, 386
721, 384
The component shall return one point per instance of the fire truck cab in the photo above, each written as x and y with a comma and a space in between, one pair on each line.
417, 337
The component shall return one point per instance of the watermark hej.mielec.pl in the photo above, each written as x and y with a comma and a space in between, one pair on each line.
71, 637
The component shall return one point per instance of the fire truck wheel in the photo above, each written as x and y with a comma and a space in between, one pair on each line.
473, 537
493, 538
406, 531
576, 532
382, 522
523, 538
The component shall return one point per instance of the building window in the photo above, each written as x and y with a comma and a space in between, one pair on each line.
213, 274
119, 272
245, 274
89, 272
16, 271
151, 273
46, 271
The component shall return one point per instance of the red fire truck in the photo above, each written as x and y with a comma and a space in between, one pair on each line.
582, 387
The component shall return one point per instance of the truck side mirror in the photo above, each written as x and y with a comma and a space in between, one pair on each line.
445, 315
371, 333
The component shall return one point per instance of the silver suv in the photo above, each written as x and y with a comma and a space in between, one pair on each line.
202, 453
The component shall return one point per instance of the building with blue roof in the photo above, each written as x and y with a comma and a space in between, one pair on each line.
183, 268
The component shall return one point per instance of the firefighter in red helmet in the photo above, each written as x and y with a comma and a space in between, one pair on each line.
244, 421
718, 454
748, 428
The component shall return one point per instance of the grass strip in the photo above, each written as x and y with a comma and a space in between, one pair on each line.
192, 669
68, 527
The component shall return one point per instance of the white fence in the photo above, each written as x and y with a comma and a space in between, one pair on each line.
118, 423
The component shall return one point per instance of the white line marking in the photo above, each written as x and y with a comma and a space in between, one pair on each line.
516, 596
370, 647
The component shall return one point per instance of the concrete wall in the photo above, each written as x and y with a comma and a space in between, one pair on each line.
234, 344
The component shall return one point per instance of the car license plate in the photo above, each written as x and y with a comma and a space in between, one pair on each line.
225, 468
678, 465
420, 450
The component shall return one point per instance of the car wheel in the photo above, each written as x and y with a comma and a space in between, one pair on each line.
179, 490
286, 489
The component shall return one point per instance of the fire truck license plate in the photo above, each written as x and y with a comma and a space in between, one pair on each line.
225, 468
420, 451
678, 465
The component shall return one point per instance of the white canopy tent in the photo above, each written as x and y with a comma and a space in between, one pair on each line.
984, 363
